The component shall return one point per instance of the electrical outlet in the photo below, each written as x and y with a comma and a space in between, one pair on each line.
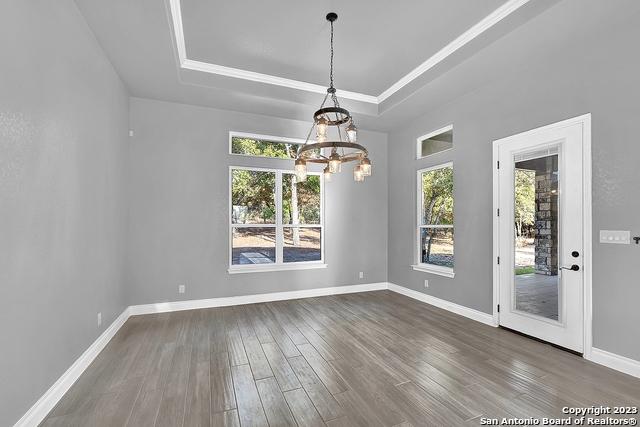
99, 319
426, 283
181, 289
362, 274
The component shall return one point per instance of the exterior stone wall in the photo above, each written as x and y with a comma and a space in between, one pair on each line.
546, 237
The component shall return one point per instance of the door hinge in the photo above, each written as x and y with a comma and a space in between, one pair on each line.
498, 260
498, 166
498, 211
498, 308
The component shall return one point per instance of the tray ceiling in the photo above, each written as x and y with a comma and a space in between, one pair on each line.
272, 57
287, 46
378, 39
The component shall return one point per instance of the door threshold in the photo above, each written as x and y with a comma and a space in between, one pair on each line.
577, 353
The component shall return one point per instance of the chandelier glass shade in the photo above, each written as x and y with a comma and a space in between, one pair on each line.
336, 136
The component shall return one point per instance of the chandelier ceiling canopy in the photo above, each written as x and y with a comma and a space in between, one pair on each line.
336, 135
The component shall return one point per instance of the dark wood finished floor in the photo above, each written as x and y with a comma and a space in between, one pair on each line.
368, 359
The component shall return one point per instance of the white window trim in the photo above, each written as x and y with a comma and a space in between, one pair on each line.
419, 265
279, 265
265, 268
420, 139
434, 269
270, 138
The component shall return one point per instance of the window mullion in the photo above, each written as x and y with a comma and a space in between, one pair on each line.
279, 228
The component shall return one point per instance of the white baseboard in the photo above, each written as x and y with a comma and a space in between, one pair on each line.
164, 307
617, 362
36, 414
476, 315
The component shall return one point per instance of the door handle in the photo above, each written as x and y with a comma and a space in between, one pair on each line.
574, 267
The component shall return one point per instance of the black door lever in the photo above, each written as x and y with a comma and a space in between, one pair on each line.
574, 267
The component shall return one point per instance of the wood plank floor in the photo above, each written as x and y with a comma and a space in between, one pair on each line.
368, 359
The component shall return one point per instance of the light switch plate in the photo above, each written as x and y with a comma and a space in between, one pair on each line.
615, 236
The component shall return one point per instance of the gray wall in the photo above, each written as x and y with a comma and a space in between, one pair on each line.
63, 130
66, 163
179, 213
595, 73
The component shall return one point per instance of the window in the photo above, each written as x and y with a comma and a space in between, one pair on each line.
435, 220
263, 146
435, 142
276, 222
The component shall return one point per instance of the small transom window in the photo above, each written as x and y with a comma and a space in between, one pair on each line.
435, 142
263, 146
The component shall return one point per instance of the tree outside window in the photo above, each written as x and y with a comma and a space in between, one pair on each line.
435, 227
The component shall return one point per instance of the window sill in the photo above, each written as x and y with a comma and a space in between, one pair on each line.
440, 271
262, 268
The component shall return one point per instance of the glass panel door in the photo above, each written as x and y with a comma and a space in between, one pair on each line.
540, 230
536, 220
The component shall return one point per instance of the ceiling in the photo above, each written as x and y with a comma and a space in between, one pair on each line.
372, 38
247, 55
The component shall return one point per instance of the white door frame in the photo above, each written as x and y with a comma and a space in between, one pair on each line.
585, 121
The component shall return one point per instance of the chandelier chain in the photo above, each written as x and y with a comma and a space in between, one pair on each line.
334, 98
331, 61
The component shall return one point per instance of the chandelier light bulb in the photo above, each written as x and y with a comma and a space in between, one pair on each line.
365, 166
301, 170
358, 176
352, 132
326, 173
334, 163
321, 128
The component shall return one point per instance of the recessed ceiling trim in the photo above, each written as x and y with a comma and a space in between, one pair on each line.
206, 67
489, 21
178, 30
190, 64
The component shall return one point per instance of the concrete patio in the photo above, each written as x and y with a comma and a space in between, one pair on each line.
537, 294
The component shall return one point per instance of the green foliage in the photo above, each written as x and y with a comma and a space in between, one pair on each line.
525, 199
525, 270
308, 193
255, 191
259, 147
437, 188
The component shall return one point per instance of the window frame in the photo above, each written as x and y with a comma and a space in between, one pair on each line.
419, 265
268, 138
279, 226
431, 134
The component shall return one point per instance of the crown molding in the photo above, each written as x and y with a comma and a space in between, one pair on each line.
189, 64
489, 21
237, 73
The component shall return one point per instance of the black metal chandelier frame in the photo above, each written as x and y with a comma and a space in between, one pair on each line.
344, 149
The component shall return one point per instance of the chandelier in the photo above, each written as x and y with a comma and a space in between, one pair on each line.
336, 136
